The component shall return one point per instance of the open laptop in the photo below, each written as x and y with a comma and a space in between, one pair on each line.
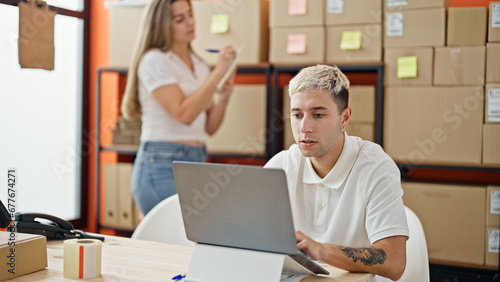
239, 206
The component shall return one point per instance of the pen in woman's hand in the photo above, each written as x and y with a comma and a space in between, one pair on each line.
212, 50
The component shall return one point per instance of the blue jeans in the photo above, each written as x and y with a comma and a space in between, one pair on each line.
152, 176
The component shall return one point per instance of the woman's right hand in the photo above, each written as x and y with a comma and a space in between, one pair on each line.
226, 56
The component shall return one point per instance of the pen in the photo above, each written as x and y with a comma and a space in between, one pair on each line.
178, 277
212, 50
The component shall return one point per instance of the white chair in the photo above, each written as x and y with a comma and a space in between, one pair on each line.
417, 261
163, 223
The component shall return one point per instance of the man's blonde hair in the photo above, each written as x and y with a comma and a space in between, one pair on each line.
322, 77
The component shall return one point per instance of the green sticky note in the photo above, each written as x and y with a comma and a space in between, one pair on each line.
220, 23
407, 67
351, 40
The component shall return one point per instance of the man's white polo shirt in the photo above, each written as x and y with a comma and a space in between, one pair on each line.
356, 204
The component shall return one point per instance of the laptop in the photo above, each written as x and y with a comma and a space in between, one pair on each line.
239, 206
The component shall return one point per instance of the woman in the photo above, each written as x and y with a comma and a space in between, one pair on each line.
171, 90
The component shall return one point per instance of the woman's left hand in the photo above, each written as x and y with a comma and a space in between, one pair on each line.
227, 88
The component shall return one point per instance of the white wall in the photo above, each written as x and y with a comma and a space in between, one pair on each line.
40, 120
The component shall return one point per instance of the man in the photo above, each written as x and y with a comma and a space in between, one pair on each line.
345, 192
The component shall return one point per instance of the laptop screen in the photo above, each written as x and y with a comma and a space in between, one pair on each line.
236, 206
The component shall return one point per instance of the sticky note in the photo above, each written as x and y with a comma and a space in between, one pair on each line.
297, 7
220, 23
407, 67
296, 44
351, 40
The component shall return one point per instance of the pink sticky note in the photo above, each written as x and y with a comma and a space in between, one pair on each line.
296, 44
297, 7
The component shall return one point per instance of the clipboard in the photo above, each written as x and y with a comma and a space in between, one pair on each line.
230, 69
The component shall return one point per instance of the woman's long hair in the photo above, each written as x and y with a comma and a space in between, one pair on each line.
154, 32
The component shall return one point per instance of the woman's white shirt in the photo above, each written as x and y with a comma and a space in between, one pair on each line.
157, 69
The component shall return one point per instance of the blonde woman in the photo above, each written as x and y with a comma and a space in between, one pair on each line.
170, 89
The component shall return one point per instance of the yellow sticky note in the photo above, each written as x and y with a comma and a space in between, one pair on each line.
220, 23
407, 67
351, 40
296, 44
297, 7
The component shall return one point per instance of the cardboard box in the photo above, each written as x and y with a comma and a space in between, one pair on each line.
362, 102
466, 26
414, 28
281, 14
452, 217
237, 135
393, 67
491, 144
492, 247
364, 130
247, 26
492, 103
493, 206
297, 46
459, 65
124, 22
368, 43
29, 254
492, 65
494, 22
353, 12
434, 125
397, 5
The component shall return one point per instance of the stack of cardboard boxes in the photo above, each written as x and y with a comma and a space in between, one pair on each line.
491, 133
335, 32
297, 32
244, 24
491, 129
436, 112
353, 31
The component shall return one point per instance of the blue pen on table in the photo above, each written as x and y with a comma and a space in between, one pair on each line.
212, 50
178, 277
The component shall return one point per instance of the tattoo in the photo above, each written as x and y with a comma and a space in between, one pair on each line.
368, 256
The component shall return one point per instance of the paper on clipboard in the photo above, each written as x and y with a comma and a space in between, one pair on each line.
230, 69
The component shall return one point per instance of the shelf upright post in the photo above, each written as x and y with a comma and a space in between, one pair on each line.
272, 145
379, 106
97, 147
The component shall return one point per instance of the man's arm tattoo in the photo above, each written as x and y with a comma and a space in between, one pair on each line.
368, 256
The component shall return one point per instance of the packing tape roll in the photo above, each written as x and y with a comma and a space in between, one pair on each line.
82, 258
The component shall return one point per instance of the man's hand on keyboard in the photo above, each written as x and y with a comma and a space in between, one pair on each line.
308, 246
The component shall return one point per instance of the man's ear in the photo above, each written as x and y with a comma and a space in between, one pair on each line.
345, 117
